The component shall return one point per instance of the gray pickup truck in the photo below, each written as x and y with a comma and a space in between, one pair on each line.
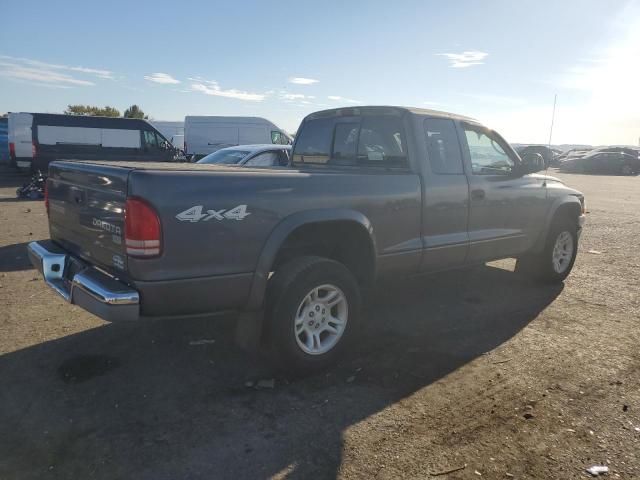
373, 192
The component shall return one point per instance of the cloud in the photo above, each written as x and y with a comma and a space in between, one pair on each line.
337, 98
40, 75
292, 97
48, 74
211, 87
163, 78
94, 71
465, 59
302, 80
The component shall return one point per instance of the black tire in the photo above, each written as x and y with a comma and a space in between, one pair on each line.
626, 170
540, 266
287, 289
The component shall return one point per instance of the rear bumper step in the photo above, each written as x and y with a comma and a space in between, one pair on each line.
88, 287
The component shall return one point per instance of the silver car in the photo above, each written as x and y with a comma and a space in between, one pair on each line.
250, 156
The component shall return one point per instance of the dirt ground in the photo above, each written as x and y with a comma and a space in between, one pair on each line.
482, 370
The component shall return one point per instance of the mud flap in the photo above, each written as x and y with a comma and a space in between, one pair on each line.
248, 334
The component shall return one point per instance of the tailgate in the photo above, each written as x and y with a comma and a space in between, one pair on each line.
86, 211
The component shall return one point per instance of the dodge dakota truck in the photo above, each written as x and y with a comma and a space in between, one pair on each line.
372, 193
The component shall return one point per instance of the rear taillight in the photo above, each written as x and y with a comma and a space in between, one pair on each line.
33, 150
142, 232
12, 150
46, 196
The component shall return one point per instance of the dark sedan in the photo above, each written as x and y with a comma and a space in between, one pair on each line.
616, 162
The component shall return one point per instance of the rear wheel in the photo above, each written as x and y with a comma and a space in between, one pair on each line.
626, 170
313, 309
554, 263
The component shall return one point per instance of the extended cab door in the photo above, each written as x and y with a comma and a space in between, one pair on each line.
506, 208
446, 197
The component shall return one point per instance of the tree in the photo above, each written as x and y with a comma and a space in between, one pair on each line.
91, 111
134, 111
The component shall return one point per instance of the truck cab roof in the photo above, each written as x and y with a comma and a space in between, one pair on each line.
387, 109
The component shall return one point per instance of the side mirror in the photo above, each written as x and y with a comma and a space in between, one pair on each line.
532, 163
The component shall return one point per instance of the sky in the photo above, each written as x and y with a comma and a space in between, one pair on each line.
498, 61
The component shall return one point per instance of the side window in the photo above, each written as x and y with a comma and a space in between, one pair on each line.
368, 140
265, 159
381, 141
161, 140
150, 140
487, 155
276, 137
443, 147
345, 143
313, 144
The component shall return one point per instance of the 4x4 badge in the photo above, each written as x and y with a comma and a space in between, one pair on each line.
196, 214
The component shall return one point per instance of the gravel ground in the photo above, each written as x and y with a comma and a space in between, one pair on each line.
478, 370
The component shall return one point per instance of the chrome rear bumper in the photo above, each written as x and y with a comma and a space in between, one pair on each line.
87, 287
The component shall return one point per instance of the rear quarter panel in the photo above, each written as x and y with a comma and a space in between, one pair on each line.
391, 202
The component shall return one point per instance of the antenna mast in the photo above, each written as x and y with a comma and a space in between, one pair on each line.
553, 116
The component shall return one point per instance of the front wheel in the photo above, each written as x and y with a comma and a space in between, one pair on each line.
556, 260
313, 309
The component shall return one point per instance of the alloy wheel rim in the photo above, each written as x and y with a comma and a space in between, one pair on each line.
562, 252
321, 319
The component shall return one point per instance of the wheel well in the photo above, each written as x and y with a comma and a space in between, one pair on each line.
567, 211
344, 241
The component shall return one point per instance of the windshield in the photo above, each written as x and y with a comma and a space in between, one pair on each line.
226, 157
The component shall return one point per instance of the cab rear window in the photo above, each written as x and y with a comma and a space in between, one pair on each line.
314, 141
370, 140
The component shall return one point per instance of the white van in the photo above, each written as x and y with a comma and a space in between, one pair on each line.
205, 135
177, 141
21, 146
171, 130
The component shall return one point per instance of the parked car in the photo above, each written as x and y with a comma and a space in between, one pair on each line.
612, 149
205, 135
36, 139
547, 154
374, 192
616, 162
250, 156
573, 153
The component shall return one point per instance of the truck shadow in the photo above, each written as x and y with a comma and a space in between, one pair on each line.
176, 399
14, 257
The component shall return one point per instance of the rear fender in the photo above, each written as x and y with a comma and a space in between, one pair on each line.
279, 235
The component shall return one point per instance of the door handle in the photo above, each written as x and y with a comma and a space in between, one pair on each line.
478, 194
